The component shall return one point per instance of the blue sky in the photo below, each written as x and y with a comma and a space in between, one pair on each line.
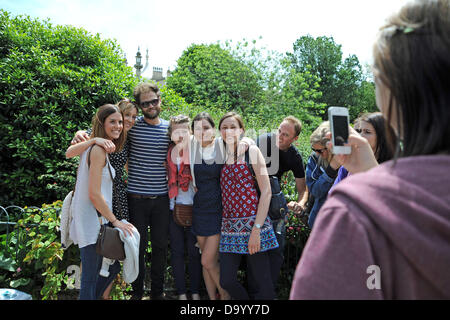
167, 27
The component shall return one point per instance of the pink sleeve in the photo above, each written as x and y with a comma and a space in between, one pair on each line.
336, 258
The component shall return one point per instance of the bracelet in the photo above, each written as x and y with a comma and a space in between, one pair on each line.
112, 222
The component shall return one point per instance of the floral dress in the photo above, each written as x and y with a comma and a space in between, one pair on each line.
240, 205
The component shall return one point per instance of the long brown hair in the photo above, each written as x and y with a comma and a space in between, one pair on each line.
238, 118
98, 125
411, 58
383, 152
234, 115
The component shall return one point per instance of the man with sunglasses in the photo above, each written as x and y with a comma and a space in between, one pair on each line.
148, 199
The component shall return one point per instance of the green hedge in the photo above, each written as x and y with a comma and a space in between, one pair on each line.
52, 79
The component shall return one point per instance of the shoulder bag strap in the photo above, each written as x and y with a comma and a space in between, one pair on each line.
112, 178
115, 193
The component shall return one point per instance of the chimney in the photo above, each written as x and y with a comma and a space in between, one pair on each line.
157, 74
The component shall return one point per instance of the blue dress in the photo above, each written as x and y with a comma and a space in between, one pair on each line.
207, 209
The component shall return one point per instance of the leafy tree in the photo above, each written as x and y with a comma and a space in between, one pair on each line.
211, 76
285, 91
342, 81
300, 92
365, 95
267, 64
52, 79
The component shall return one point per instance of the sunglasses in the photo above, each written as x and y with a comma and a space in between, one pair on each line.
319, 151
146, 104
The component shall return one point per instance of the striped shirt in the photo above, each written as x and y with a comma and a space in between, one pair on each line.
148, 150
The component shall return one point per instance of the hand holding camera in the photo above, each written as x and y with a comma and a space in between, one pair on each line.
349, 148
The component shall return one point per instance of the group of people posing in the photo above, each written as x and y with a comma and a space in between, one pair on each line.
367, 212
183, 162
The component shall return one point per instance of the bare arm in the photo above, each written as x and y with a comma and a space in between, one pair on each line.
304, 200
298, 206
82, 141
262, 178
79, 148
80, 136
300, 183
97, 162
244, 144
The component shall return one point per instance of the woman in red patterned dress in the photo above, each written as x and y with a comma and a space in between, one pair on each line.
246, 228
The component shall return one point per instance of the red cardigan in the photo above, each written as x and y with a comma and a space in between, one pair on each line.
177, 178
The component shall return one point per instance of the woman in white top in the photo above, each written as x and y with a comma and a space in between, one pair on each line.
93, 196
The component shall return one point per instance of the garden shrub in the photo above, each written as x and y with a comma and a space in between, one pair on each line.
52, 79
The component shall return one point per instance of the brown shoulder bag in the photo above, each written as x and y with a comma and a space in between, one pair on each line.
182, 215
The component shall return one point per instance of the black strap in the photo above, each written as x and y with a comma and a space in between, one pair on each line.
107, 161
247, 160
252, 171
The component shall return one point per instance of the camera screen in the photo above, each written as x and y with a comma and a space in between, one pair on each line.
340, 126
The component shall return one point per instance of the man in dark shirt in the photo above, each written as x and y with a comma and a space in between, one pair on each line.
282, 156
287, 158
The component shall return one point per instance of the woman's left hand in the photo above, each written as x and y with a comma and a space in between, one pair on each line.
127, 228
242, 148
361, 157
254, 243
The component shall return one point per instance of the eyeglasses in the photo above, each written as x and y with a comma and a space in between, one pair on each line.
146, 104
319, 151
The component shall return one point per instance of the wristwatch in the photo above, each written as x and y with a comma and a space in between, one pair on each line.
257, 226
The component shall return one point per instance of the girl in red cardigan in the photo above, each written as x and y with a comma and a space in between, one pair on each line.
181, 191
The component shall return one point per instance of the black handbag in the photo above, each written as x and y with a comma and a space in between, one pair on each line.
278, 204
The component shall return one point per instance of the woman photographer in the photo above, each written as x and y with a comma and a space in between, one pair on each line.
387, 226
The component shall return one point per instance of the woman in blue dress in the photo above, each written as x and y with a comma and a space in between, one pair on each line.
207, 157
206, 165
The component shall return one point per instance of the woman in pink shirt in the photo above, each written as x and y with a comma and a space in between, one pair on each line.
384, 232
